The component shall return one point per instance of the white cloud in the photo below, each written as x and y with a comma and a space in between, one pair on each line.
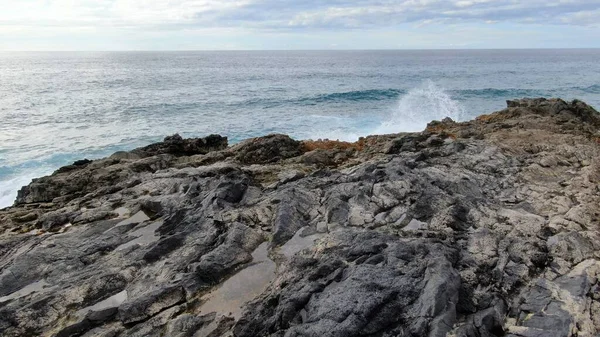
375, 13
469, 3
127, 19
582, 18
285, 13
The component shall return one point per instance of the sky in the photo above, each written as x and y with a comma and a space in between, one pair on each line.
289, 25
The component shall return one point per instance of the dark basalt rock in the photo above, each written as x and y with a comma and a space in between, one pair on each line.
75, 166
150, 304
267, 149
112, 174
476, 229
178, 146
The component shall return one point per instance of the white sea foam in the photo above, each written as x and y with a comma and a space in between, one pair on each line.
413, 111
336, 134
9, 187
420, 106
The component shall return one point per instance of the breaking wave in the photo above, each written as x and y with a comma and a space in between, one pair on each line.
420, 106
360, 95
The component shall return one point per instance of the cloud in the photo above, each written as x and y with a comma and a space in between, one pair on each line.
276, 24
288, 14
384, 14
589, 17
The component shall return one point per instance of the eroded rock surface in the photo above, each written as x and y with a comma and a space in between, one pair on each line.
483, 228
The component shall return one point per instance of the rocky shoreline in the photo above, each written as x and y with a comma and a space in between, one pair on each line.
483, 228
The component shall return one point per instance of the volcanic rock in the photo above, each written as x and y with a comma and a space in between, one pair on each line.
482, 228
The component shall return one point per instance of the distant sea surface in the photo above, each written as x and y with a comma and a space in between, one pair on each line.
62, 106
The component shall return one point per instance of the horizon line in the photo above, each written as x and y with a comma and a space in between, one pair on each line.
292, 50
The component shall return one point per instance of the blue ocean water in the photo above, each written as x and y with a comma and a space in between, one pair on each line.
61, 106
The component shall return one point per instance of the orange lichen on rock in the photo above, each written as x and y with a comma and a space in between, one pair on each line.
501, 115
441, 129
436, 128
485, 118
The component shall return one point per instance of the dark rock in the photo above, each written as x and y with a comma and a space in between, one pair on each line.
76, 329
484, 228
178, 146
230, 254
319, 157
75, 166
102, 315
186, 325
150, 304
82, 162
356, 303
267, 149
406, 143
292, 214
102, 287
163, 247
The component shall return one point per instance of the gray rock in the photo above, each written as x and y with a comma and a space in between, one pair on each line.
475, 229
150, 304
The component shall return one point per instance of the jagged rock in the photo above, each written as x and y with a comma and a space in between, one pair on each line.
150, 304
112, 173
266, 149
186, 325
76, 165
475, 229
178, 146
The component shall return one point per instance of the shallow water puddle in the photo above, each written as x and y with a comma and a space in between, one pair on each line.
122, 212
229, 299
39, 286
111, 302
144, 236
247, 284
415, 224
138, 217
298, 243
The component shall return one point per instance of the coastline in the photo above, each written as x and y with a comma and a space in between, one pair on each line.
466, 228
60, 108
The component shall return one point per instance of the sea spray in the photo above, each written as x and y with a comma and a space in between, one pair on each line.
420, 106
10, 186
413, 111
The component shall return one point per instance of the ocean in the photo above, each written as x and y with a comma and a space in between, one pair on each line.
57, 107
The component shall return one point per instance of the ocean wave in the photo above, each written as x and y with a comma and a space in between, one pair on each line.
390, 94
497, 93
521, 92
335, 97
592, 89
360, 95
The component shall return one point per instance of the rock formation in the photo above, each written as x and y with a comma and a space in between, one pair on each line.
483, 228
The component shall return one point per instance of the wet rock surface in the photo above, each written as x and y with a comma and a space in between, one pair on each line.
482, 228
